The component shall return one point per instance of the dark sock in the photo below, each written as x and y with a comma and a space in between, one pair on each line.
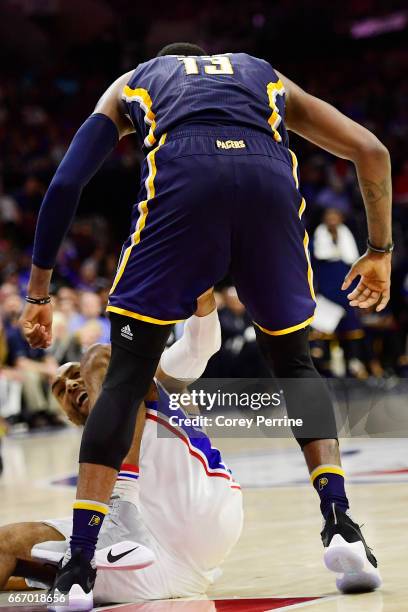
87, 521
328, 480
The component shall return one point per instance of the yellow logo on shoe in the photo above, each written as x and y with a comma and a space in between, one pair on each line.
95, 520
231, 144
322, 483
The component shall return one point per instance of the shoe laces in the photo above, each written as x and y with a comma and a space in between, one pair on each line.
112, 520
66, 557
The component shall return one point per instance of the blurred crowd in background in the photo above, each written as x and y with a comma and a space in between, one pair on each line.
67, 53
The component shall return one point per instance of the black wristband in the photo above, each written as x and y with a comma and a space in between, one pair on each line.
38, 301
387, 249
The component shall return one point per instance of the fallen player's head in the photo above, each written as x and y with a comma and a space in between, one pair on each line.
181, 48
78, 385
70, 392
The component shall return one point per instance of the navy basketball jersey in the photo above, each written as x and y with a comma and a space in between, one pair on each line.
231, 89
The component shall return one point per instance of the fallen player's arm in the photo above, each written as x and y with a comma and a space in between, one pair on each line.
328, 128
32, 570
185, 361
90, 147
16, 583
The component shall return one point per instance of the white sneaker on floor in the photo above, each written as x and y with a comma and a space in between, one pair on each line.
347, 554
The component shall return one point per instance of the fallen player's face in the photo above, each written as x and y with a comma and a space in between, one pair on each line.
70, 392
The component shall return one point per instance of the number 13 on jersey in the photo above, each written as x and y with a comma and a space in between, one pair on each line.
219, 64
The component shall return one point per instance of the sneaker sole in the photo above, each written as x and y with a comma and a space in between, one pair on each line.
78, 601
349, 560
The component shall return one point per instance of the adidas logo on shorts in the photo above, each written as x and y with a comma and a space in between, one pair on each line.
126, 332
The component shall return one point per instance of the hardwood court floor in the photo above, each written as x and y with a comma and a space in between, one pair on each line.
279, 556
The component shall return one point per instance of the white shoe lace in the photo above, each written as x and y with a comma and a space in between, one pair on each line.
66, 557
112, 519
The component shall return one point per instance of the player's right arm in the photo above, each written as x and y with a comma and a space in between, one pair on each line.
325, 126
90, 147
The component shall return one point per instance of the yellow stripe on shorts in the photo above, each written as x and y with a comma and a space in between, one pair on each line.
286, 330
143, 211
306, 237
140, 317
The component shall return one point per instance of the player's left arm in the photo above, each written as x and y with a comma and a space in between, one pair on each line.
325, 126
90, 147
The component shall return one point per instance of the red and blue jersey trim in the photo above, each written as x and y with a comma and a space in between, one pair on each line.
197, 442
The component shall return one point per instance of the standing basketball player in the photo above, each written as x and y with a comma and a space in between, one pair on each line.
219, 191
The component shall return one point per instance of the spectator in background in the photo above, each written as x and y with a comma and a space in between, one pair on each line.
29, 199
313, 177
10, 383
401, 186
334, 242
66, 302
36, 368
334, 250
90, 309
384, 347
88, 275
334, 197
74, 346
10, 215
61, 336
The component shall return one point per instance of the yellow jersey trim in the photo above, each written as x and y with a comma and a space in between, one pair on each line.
79, 505
143, 211
142, 97
140, 317
287, 330
274, 90
326, 469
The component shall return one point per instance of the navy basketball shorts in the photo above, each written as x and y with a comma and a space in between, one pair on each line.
214, 201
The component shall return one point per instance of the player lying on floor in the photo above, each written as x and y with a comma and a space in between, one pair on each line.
183, 509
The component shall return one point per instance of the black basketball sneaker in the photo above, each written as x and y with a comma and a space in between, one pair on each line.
73, 585
347, 554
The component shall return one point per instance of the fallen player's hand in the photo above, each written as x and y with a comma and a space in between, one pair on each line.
206, 303
374, 270
36, 322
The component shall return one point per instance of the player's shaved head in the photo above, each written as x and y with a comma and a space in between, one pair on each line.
181, 48
78, 385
